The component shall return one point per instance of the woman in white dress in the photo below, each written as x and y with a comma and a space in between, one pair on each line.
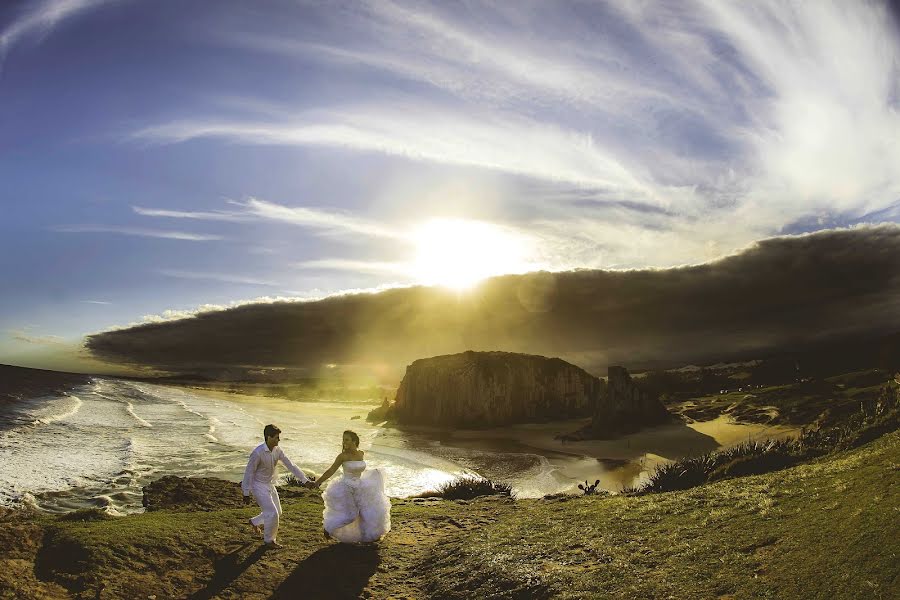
356, 507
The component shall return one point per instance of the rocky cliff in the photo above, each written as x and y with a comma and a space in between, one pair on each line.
489, 389
623, 406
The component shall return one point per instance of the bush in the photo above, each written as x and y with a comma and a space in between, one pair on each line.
466, 488
86, 514
291, 480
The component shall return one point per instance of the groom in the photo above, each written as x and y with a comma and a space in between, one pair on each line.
259, 479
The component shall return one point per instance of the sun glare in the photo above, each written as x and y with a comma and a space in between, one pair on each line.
459, 253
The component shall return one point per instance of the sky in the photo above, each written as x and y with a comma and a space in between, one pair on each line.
163, 158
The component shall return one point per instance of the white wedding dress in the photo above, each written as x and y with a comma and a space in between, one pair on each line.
356, 507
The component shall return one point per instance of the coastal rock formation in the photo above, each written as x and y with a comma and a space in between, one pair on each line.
623, 406
489, 389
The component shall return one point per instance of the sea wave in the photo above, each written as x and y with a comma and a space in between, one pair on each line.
66, 409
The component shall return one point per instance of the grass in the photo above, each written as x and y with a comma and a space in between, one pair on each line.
826, 529
794, 404
873, 417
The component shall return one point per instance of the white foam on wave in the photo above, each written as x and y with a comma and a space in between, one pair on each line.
67, 408
129, 408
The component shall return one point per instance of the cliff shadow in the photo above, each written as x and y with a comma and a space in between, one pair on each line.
336, 571
227, 569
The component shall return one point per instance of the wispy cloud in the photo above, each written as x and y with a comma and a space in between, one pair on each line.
41, 18
326, 221
358, 266
225, 278
333, 221
103, 302
516, 145
776, 110
733, 121
137, 231
44, 340
199, 215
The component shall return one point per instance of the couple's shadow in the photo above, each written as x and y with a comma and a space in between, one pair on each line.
336, 571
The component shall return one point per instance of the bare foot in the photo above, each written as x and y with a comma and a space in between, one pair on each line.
257, 528
273, 546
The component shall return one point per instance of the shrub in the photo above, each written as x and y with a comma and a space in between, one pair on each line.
291, 480
467, 487
589, 489
86, 514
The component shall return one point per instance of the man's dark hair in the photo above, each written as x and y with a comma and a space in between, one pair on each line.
270, 430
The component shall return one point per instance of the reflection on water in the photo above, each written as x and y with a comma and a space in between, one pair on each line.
101, 445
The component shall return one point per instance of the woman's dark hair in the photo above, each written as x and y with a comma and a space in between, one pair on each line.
270, 430
353, 435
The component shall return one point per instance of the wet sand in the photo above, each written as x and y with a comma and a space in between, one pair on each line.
622, 461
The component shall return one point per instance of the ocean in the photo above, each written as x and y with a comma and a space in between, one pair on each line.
99, 444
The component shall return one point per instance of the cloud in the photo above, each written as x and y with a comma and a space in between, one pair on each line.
42, 18
180, 274
42, 340
199, 215
331, 222
358, 266
519, 146
742, 119
103, 302
780, 291
137, 231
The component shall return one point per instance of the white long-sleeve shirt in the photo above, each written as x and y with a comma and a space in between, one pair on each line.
261, 467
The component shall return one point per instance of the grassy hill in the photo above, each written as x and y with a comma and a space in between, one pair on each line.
826, 529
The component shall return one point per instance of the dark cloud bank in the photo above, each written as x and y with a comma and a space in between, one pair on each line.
779, 293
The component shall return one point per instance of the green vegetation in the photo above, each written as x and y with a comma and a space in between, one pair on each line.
874, 417
806, 518
826, 528
799, 403
589, 488
466, 488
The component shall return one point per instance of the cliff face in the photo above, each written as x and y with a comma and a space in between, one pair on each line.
488, 389
624, 407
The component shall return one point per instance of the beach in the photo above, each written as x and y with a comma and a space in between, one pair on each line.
97, 444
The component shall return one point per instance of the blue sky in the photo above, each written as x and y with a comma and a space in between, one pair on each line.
159, 158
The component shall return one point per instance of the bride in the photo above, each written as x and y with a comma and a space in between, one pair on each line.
356, 507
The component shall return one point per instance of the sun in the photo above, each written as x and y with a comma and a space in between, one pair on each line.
458, 253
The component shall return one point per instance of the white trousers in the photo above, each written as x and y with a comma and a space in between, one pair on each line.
267, 498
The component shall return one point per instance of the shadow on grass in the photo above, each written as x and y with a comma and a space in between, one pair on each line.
337, 571
227, 569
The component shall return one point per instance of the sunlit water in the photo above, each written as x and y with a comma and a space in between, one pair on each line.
99, 445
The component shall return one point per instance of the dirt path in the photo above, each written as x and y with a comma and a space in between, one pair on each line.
326, 569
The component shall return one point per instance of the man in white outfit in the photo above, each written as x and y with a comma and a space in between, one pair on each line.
259, 479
